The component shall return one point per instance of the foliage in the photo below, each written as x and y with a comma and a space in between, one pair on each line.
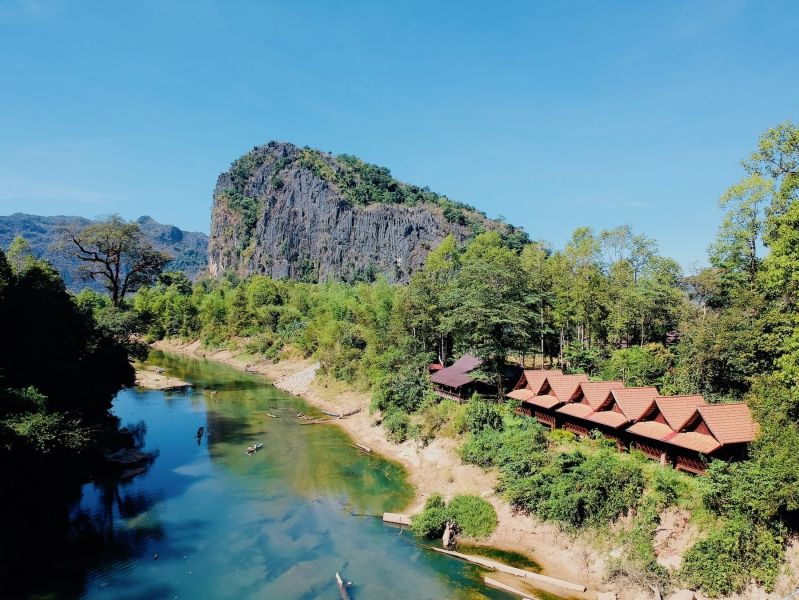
396, 424
481, 414
733, 555
473, 516
640, 365
115, 253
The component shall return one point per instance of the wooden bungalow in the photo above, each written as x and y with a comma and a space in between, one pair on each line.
623, 407
528, 387
664, 418
457, 381
721, 431
557, 390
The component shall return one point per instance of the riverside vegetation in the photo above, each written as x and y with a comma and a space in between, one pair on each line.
60, 367
607, 304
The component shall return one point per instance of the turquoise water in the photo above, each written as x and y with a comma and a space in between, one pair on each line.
208, 521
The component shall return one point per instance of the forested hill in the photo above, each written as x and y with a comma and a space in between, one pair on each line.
189, 248
286, 211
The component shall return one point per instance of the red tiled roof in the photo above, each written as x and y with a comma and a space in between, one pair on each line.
545, 401
608, 417
651, 429
729, 423
520, 394
455, 375
678, 409
698, 442
596, 392
576, 409
564, 386
435, 366
535, 377
634, 402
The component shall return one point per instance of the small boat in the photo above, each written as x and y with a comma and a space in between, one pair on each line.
342, 587
254, 448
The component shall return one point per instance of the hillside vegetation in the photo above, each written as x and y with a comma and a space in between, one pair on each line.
607, 304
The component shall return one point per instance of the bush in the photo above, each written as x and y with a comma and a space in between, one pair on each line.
474, 516
731, 556
481, 448
396, 424
482, 415
471, 515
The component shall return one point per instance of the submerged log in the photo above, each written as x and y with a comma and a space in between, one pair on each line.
506, 588
363, 448
397, 519
497, 566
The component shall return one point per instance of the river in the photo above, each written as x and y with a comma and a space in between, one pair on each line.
208, 521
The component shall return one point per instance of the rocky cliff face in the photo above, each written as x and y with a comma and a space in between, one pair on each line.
289, 212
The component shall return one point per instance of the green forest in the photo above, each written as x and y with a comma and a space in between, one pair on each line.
607, 304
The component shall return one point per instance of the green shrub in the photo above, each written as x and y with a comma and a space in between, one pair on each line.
474, 516
731, 556
396, 424
481, 448
471, 515
481, 415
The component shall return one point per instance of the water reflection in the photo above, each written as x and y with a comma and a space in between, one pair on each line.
209, 521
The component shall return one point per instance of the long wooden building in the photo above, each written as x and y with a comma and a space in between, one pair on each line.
683, 431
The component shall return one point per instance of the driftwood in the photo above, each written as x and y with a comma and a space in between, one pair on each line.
497, 566
397, 519
342, 415
506, 588
342, 587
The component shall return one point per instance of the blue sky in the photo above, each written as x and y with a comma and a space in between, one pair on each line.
551, 114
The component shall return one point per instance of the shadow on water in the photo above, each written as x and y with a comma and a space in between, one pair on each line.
50, 541
208, 521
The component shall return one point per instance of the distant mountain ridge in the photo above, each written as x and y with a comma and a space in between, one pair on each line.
189, 248
291, 212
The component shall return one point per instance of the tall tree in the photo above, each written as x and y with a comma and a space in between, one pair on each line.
116, 254
534, 259
735, 251
489, 300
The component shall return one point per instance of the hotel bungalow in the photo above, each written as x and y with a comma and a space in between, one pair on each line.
682, 431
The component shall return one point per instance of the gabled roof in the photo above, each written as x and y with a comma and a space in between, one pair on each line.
651, 429
678, 409
634, 402
534, 378
698, 442
522, 394
545, 401
596, 392
564, 386
729, 423
608, 417
576, 409
456, 374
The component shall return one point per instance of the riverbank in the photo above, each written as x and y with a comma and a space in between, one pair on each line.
437, 468
152, 379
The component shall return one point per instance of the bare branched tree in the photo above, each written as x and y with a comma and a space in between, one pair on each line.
115, 253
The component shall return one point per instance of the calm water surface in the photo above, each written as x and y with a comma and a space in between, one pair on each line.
278, 524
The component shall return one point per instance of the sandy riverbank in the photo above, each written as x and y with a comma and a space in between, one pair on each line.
438, 468
151, 379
